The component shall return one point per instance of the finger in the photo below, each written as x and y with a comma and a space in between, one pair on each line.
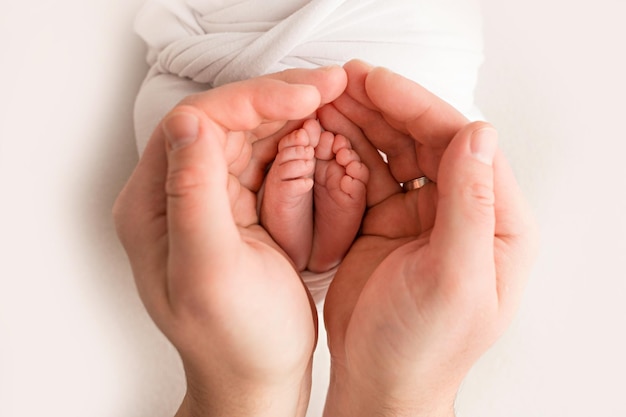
269, 107
357, 72
463, 235
381, 184
264, 151
201, 227
430, 120
288, 95
330, 81
410, 108
399, 148
401, 118
246, 105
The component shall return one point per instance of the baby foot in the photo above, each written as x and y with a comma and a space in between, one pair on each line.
287, 206
339, 195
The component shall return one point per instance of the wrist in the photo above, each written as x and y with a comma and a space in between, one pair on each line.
350, 396
227, 397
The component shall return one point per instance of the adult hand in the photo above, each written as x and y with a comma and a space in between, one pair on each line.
211, 278
438, 272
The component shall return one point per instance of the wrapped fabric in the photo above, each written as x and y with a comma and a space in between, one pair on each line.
198, 44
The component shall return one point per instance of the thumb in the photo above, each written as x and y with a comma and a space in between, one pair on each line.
464, 230
201, 228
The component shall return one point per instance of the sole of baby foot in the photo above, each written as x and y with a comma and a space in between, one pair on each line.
340, 199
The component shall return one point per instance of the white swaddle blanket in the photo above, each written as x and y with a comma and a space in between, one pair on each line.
198, 44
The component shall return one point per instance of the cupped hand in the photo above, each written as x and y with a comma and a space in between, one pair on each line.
438, 272
211, 278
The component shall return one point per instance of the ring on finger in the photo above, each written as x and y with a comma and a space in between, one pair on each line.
415, 184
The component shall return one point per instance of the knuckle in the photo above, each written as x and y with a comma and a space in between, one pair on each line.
181, 182
479, 195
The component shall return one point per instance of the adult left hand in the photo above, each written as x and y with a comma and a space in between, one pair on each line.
210, 277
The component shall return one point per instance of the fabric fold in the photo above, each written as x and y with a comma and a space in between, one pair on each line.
212, 42
208, 43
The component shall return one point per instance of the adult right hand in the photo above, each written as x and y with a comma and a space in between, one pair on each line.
438, 272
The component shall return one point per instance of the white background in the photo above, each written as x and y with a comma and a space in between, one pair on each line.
74, 339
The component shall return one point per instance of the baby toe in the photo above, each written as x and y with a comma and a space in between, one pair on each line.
324, 149
297, 168
358, 171
313, 130
298, 137
341, 142
354, 188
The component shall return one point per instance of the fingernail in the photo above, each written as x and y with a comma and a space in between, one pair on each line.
181, 129
484, 144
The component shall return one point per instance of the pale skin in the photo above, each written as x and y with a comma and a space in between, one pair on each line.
438, 272
432, 281
314, 197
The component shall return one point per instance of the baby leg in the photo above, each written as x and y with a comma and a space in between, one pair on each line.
339, 195
287, 206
